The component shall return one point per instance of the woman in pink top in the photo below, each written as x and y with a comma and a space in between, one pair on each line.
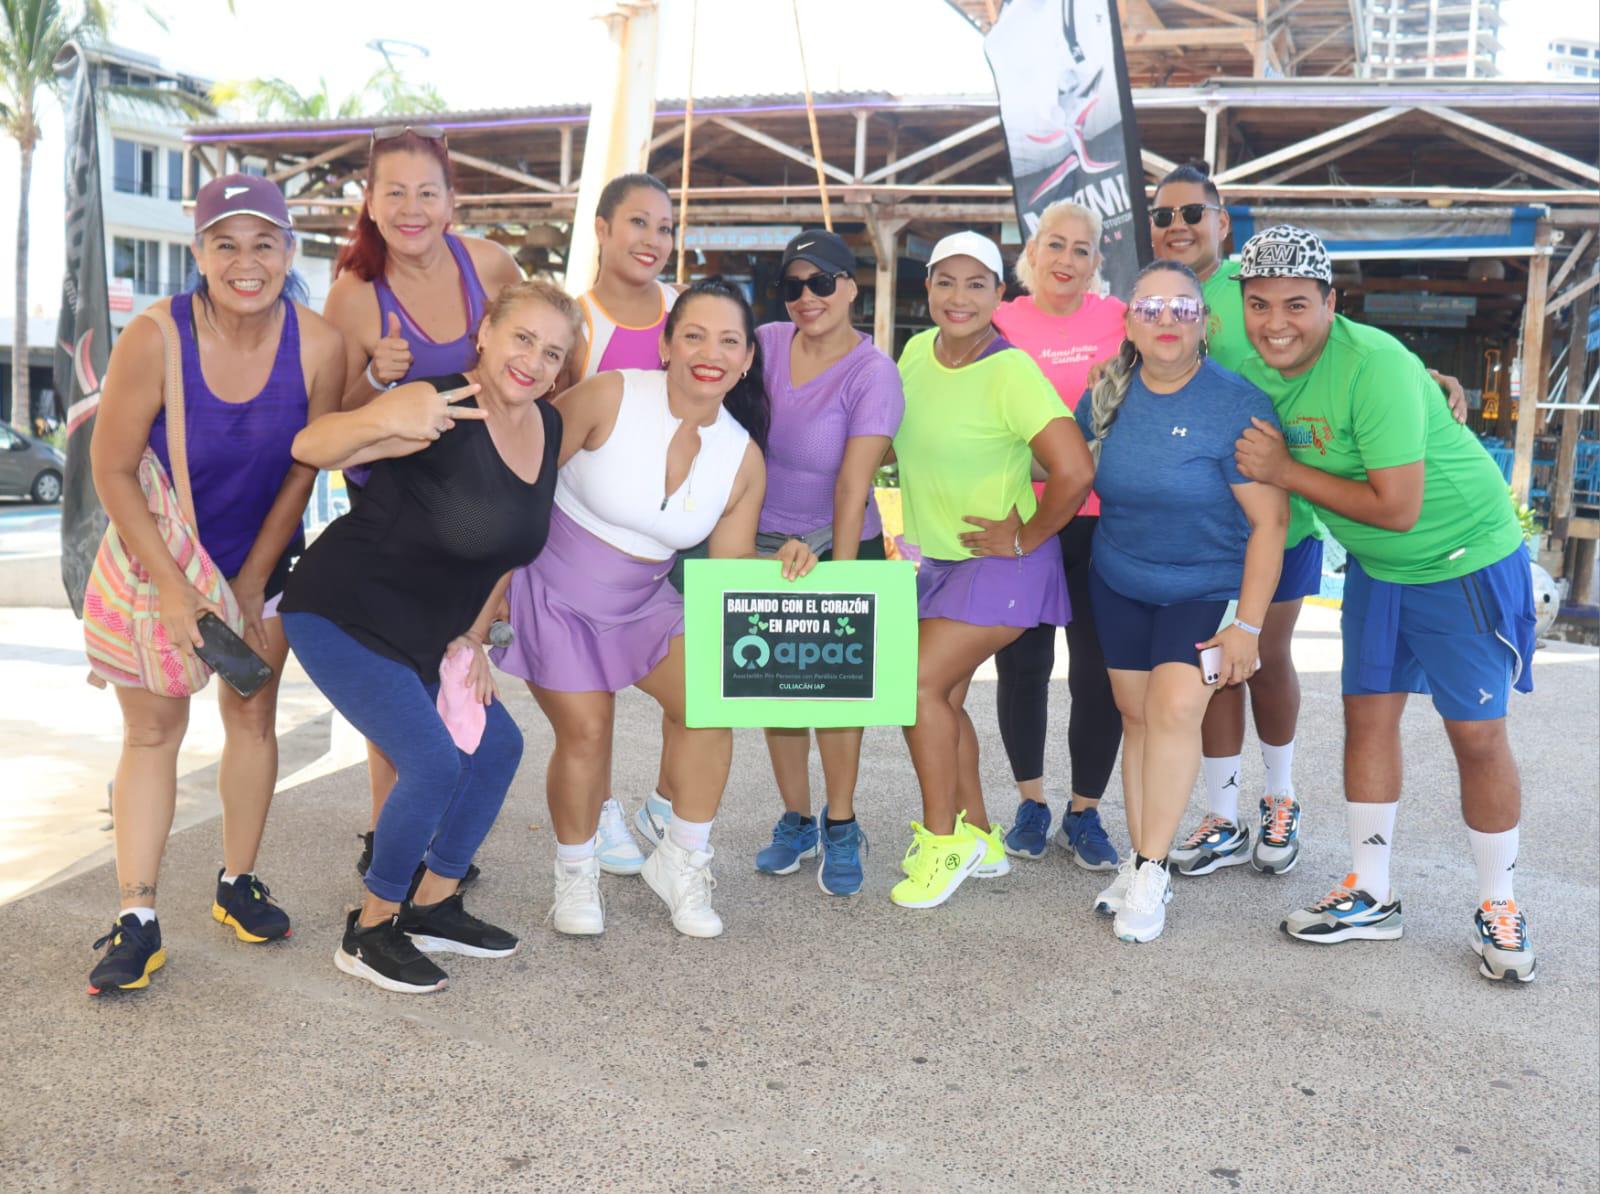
627, 307
1067, 326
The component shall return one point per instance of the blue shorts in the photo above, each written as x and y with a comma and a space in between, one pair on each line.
1466, 642
1137, 636
1302, 571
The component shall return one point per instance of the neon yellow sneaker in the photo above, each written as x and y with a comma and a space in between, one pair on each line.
995, 863
935, 865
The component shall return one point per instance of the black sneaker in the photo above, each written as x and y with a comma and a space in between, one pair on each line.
385, 957
448, 928
246, 906
135, 955
365, 861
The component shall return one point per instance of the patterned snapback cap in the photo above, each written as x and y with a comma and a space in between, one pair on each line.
1284, 251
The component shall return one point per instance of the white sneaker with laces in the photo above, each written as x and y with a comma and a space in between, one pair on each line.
683, 880
1144, 909
652, 819
1109, 901
578, 909
618, 853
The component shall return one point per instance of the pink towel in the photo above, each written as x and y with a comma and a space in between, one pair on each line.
459, 706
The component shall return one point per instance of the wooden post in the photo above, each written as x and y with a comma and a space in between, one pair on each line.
1571, 420
886, 248
1533, 379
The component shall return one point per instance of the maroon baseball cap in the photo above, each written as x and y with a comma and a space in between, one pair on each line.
239, 195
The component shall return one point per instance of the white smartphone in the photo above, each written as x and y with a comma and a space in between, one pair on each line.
1211, 665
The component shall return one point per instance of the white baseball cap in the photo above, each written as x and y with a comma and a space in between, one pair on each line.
969, 244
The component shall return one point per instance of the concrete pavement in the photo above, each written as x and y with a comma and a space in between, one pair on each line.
1003, 1042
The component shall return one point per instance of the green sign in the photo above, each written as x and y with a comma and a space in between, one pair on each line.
835, 648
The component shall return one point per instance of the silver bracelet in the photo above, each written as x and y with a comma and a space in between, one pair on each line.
1247, 628
374, 382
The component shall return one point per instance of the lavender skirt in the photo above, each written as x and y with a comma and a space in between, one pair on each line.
994, 591
588, 618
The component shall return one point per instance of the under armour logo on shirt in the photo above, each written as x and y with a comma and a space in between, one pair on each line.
1180, 431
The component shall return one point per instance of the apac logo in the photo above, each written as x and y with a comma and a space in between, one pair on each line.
751, 643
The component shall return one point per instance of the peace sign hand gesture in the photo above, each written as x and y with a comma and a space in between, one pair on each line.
416, 411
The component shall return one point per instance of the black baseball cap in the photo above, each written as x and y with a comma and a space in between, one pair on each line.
822, 249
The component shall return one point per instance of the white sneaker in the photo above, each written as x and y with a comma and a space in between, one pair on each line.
1144, 908
683, 880
577, 908
1109, 901
618, 853
652, 819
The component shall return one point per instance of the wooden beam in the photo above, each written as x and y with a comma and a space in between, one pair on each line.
1572, 292
506, 172
1338, 151
1522, 144
778, 147
1571, 420
1155, 164
972, 159
1216, 14
1332, 136
1533, 379
1349, 60
938, 147
1346, 194
1336, 31
667, 137
1491, 150
1281, 17
327, 155
885, 233
1137, 38
1572, 259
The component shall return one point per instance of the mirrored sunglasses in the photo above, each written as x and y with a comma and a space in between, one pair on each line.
1185, 308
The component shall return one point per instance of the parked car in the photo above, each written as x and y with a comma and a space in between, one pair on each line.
29, 467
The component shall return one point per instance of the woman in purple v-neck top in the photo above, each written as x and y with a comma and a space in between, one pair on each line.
401, 244
829, 434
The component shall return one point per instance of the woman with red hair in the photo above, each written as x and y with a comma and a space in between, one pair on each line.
408, 295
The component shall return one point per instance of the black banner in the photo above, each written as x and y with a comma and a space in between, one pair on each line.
83, 336
790, 645
1068, 117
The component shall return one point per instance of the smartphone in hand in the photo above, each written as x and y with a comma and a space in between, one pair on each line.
1211, 665
230, 656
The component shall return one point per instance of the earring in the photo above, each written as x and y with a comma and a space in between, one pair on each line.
1205, 348
744, 375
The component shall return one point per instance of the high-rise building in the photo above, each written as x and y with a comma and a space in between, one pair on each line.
1432, 39
1574, 58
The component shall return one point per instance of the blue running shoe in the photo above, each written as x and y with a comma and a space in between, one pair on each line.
1082, 836
794, 837
843, 848
1030, 831
1346, 913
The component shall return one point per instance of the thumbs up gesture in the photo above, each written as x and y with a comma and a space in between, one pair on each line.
391, 356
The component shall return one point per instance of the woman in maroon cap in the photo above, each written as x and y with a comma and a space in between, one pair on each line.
257, 364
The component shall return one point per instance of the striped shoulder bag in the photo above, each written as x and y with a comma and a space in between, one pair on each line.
123, 635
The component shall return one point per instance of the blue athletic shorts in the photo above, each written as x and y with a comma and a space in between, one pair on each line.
1466, 642
1302, 571
1136, 636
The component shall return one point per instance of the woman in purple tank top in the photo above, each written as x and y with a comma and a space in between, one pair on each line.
408, 296
256, 367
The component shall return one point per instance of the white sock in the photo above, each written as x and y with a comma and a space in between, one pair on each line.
228, 879
689, 835
1371, 839
1222, 786
1280, 768
1496, 856
575, 855
145, 915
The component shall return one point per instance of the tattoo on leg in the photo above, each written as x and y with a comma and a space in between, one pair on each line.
139, 891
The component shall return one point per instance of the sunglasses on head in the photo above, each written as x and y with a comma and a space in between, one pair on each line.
388, 132
821, 285
1192, 213
1185, 308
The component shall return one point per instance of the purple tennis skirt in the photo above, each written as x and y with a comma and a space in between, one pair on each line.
588, 618
997, 591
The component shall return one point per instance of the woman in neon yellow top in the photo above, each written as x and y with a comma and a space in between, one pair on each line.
978, 414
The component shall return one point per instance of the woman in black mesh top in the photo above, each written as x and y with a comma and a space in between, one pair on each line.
400, 590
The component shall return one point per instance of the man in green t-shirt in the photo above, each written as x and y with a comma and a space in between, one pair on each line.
1438, 595
1190, 224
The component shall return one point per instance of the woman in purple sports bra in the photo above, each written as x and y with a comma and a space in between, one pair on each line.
257, 365
408, 295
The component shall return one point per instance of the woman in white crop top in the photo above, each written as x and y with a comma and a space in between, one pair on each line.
652, 463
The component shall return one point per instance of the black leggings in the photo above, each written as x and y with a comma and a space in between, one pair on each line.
1022, 700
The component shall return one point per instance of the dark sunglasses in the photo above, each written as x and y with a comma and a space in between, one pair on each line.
388, 132
821, 285
1192, 213
1185, 308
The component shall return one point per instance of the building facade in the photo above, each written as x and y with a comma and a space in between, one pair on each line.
1573, 58
1432, 39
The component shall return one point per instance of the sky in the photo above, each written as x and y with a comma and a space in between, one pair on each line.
555, 51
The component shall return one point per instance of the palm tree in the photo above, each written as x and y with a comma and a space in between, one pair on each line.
384, 93
33, 35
